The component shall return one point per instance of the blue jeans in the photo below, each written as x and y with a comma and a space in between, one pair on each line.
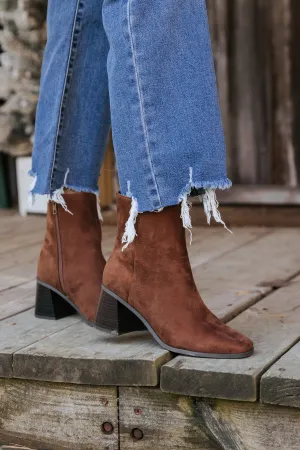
146, 68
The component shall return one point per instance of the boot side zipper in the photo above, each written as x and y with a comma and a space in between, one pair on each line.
59, 249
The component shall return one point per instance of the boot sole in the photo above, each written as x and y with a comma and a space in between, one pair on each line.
110, 318
114, 316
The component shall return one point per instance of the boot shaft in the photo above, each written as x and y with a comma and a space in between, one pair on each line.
70, 239
158, 230
160, 245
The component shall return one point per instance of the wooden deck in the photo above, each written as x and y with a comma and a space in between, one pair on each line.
65, 385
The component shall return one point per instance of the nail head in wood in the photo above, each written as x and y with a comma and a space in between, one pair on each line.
137, 434
107, 428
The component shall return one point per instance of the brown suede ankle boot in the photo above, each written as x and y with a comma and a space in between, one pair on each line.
71, 263
152, 282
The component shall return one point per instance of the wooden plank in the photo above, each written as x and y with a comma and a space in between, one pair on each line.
295, 63
15, 276
16, 300
81, 354
58, 417
235, 281
218, 14
273, 325
21, 225
20, 256
264, 92
280, 385
246, 103
211, 243
18, 239
260, 195
4, 213
171, 422
284, 152
22, 330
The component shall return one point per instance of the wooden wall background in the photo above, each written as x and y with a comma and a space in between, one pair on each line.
257, 57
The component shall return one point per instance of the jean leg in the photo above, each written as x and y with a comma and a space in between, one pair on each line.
166, 121
73, 116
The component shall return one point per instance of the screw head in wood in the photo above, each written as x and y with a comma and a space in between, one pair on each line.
107, 428
137, 434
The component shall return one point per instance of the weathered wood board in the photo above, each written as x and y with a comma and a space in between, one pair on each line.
280, 385
262, 195
81, 354
172, 422
237, 280
19, 256
17, 275
273, 325
58, 417
13, 223
22, 330
16, 300
211, 243
17, 239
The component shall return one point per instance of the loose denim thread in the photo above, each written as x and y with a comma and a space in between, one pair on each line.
100, 217
211, 205
186, 206
57, 195
186, 216
130, 232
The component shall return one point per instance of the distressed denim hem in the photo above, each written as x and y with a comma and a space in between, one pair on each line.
57, 195
208, 198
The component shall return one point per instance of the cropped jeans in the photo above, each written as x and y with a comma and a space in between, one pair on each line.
144, 68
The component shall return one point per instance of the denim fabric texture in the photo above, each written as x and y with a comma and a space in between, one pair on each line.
146, 68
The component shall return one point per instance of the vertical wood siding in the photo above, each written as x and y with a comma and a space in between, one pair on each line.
256, 48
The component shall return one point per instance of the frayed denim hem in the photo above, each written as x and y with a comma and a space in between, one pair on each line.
208, 198
57, 195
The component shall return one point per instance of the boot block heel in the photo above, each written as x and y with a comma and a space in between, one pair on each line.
50, 305
116, 318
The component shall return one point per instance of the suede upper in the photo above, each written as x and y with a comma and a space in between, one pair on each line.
154, 276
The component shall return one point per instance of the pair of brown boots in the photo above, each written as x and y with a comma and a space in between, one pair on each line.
149, 285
